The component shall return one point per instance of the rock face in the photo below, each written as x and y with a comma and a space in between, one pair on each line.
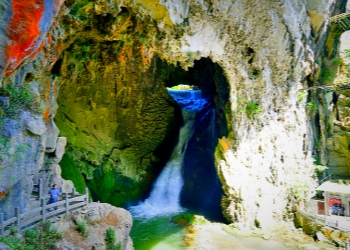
108, 63
98, 218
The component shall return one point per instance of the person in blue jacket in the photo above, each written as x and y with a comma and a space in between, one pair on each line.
54, 194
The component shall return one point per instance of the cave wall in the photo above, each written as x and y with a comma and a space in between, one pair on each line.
267, 50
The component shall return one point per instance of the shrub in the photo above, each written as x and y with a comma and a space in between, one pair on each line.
311, 106
110, 240
319, 169
82, 228
251, 109
41, 238
301, 95
20, 97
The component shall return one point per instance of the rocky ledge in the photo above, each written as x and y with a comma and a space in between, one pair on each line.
87, 228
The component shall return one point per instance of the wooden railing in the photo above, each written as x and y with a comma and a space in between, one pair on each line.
343, 20
42, 213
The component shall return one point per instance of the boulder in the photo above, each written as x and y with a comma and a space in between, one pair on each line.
98, 218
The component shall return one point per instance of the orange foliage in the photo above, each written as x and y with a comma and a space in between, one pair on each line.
121, 59
145, 58
3, 194
225, 144
23, 31
47, 113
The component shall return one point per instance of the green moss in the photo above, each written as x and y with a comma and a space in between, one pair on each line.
70, 172
82, 10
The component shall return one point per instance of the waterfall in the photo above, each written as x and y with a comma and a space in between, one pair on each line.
185, 94
165, 195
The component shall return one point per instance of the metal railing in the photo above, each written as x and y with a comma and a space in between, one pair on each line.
29, 219
323, 220
327, 178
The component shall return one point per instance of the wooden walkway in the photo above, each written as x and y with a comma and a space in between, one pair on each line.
343, 20
22, 221
342, 83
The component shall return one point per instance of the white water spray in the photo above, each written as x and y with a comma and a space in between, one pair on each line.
165, 195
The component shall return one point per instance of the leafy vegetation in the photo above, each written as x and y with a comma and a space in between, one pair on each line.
70, 172
110, 240
311, 106
319, 169
82, 228
301, 95
327, 75
346, 53
251, 109
20, 97
42, 238
81, 10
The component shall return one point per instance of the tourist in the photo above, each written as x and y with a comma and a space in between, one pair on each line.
54, 194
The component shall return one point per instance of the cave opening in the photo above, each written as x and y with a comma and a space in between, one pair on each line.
111, 118
202, 190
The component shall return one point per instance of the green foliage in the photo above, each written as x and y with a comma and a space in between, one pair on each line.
301, 95
70, 172
181, 87
20, 98
300, 192
110, 240
346, 53
41, 238
311, 106
142, 38
336, 62
82, 10
251, 109
327, 75
82, 228
12, 242
13, 230
319, 169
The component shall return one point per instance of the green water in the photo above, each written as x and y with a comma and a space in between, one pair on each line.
157, 233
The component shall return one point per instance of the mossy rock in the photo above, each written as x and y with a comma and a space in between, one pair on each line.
188, 218
70, 172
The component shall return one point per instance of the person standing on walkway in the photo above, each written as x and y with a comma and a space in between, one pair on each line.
54, 194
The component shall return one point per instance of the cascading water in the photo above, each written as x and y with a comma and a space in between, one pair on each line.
165, 195
152, 227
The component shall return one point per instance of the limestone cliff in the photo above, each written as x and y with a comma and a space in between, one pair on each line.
108, 63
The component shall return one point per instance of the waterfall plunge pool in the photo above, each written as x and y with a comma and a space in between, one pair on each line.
153, 228
157, 233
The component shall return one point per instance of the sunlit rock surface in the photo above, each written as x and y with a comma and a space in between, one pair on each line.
107, 62
98, 217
